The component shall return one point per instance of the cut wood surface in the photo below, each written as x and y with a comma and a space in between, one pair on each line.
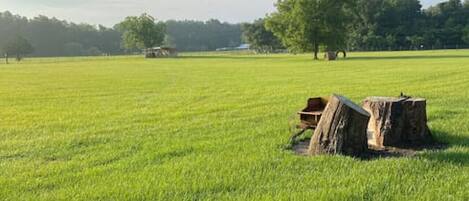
397, 121
341, 130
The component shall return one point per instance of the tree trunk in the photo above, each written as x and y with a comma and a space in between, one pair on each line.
341, 130
6, 58
397, 122
316, 51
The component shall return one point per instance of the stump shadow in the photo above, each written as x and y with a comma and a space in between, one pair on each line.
451, 154
438, 151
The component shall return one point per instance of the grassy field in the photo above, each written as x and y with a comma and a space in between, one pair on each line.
213, 127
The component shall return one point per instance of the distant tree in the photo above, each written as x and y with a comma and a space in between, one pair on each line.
446, 23
465, 36
141, 32
305, 25
169, 41
384, 24
73, 49
93, 51
364, 14
50, 36
190, 35
260, 39
415, 41
17, 46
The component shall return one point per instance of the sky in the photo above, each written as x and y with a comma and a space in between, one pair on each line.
110, 12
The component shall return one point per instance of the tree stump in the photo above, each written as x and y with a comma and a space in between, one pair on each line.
397, 122
330, 56
341, 130
344, 53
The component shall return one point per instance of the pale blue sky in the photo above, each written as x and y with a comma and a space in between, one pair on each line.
109, 12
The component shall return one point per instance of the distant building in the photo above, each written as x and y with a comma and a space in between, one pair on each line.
160, 52
239, 48
244, 47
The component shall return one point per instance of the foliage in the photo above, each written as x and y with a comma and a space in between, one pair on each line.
141, 32
17, 46
259, 37
397, 24
466, 34
191, 35
304, 25
50, 36
300, 25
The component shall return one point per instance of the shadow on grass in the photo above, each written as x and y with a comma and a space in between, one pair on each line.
377, 57
453, 156
438, 151
403, 57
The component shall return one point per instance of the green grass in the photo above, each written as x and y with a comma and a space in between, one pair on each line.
213, 127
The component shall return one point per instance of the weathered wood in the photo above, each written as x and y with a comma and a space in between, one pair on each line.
330, 56
341, 130
397, 121
309, 116
344, 53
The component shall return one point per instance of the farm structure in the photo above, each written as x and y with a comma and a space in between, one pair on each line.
160, 52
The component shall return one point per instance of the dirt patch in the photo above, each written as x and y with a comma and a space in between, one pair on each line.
301, 148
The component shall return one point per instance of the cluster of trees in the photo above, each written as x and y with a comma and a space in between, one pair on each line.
260, 39
141, 32
17, 46
297, 25
52, 37
403, 24
202, 36
144, 32
311, 25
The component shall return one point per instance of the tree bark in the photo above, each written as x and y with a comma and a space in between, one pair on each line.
341, 130
397, 122
330, 56
316, 51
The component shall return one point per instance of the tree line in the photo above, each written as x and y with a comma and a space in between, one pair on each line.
296, 25
53, 37
45, 37
366, 25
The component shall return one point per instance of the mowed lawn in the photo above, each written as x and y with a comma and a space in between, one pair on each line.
214, 127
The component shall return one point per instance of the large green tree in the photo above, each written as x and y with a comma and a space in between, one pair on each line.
141, 32
445, 24
260, 39
305, 25
17, 46
384, 24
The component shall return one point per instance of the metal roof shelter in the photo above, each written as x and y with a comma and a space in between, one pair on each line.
160, 52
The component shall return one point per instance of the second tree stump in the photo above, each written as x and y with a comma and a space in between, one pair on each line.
341, 130
397, 121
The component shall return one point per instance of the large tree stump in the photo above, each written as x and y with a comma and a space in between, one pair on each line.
330, 56
397, 122
341, 130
